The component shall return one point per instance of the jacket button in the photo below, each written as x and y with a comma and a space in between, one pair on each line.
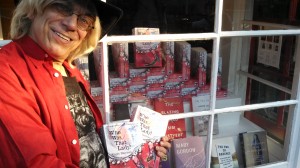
56, 74
66, 107
74, 141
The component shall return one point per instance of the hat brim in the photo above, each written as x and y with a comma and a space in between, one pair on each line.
108, 14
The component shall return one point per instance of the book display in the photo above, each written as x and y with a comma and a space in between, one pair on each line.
144, 93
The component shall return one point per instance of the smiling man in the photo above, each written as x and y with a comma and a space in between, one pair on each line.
47, 115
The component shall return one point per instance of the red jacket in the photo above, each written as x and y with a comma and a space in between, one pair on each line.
36, 126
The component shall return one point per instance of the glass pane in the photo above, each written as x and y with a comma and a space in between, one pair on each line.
258, 68
150, 70
260, 14
170, 16
253, 144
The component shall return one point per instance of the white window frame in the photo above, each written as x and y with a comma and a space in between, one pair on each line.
292, 140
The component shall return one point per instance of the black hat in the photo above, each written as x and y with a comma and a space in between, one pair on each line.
108, 14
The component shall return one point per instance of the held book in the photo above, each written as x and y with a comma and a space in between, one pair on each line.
188, 152
126, 147
254, 148
223, 153
153, 124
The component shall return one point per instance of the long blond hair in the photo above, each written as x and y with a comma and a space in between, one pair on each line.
26, 9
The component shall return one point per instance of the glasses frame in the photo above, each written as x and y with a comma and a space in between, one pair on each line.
84, 21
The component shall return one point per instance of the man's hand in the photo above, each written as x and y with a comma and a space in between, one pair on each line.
163, 148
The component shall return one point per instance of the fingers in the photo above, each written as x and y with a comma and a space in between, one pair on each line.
163, 148
161, 151
165, 144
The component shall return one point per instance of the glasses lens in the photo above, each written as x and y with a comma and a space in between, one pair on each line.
85, 22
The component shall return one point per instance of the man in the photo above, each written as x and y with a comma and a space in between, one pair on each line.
47, 115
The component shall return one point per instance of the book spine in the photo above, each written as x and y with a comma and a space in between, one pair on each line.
241, 137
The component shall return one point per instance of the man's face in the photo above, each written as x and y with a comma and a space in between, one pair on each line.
56, 33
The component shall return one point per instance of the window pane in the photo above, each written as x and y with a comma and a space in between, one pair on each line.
260, 14
170, 16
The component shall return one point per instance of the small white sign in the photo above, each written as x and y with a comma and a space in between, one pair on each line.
224, 156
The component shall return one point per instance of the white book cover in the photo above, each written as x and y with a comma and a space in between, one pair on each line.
123, 140
201, 102
153, 124
223, 154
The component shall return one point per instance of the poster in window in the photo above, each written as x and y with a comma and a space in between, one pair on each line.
269, 49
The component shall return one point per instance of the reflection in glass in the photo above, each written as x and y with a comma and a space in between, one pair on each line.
170, 16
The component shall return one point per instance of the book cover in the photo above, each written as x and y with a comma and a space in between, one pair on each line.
83, 66
121, 111
254, 148
201, 102
126, 147
188, 152
153, 124
199, 64
182, 57
147, 54
173, 105
120, 58
223, 153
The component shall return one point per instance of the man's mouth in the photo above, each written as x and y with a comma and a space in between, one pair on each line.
62, 36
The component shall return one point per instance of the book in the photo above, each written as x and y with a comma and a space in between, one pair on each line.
199, 64
201, 102
223, 153
83, 65
153, 124
126, 147
147, 54
121, 58
182, 57
173, 105
121, 111
254, 148
188, 152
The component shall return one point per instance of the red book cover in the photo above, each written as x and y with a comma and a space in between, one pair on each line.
173, 105
147, 54
120, 58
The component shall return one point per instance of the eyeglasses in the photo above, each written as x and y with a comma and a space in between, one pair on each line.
84, 22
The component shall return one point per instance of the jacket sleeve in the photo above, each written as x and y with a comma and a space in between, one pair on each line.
25, 140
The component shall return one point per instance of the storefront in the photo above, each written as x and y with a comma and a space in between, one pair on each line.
251, 79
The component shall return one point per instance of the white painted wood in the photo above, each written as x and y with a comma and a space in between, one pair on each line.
266, 82
292, 138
